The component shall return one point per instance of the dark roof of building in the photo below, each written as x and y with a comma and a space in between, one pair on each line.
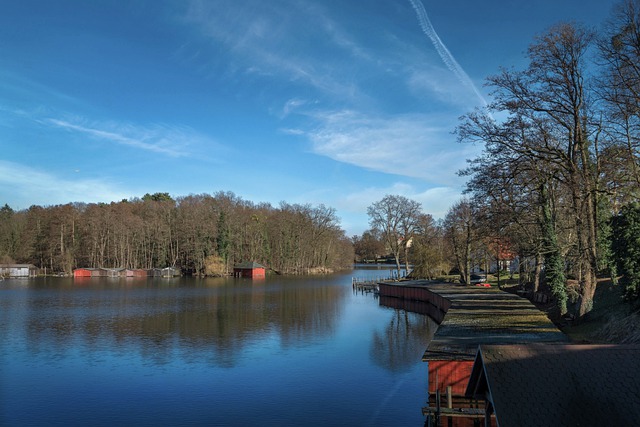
563, 385
248, 265
17, 266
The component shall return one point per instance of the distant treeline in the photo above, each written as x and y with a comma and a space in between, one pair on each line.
201, 234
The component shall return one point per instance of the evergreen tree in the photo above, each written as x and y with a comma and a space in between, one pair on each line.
626, 247
554, 263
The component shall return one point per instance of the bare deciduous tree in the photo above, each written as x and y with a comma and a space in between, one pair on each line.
397, 219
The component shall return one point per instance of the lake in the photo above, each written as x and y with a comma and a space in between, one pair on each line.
185, 351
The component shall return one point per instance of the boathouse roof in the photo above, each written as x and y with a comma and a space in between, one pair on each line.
17, 266
248, 265
558, 384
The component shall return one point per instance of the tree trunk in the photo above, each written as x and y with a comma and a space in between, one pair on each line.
406, 259
537, 272
589, 276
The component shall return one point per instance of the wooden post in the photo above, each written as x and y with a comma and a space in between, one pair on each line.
449, 405
437, 407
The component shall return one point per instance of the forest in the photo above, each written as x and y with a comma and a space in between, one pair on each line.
200, 234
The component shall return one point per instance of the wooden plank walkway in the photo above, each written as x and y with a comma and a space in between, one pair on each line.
479, 315
468, 316
487, 316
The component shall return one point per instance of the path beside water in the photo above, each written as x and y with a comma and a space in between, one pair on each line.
473, 315
480, 315
468, 316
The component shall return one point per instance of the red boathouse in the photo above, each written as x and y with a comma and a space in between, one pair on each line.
82, 272
251, 270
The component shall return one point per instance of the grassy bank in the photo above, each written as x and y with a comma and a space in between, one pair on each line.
611, 320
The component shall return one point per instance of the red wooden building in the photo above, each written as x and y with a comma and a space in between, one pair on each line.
82, 272
252, 270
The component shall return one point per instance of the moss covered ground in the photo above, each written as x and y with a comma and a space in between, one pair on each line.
611, 321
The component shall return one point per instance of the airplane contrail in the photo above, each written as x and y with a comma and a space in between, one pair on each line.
447, 57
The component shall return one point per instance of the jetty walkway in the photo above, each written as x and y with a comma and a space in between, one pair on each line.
473, 315
469, 316
487, 316
366, 285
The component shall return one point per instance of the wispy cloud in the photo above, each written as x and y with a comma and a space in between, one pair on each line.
273, 39
17, 84
168, 140
438, 200
292, 105
412, 145
445, 54
20, 185
275, 42
439, 86
160, 138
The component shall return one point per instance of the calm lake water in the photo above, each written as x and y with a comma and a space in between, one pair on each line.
184, 351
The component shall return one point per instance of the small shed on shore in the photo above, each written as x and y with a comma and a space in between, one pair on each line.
83, 272
250, 269
170, 272
136, 272
98, 272
113, 272
18, 270
557, 384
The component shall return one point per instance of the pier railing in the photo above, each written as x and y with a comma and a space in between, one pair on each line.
366, 285
370, 284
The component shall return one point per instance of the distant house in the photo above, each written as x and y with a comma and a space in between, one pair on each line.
18, 270
252, 270
557, 384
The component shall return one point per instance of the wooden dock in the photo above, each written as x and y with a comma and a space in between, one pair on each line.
469, 316
366, 285
473, 315
487, 316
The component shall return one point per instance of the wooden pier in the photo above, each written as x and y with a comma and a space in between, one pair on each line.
469, 316
366, 285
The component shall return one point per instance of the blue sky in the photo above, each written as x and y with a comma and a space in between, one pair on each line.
325, 101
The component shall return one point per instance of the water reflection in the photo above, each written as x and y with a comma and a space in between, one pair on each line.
284, 351
212, 318
403, 341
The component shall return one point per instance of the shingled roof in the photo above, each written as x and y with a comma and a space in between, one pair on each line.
249, 265
559, 385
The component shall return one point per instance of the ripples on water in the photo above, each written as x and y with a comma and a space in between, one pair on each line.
281, 351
